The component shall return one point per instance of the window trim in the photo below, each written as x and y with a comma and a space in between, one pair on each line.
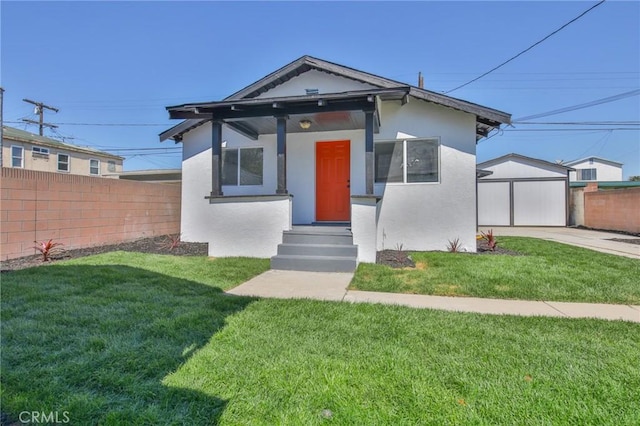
592, 170
435, 139
239, 149
68, 163
94, 174
21, 166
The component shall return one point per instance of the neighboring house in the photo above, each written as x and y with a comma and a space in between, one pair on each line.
523, 191
156, 176
21, 149
320, 143
595, 169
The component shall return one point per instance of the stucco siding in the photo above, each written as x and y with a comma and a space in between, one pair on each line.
324, 82
513, 169
604, 173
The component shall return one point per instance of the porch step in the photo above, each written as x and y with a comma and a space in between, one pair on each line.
314, 263
317, 248
326, 236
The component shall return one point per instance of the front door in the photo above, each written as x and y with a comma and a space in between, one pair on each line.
333, 174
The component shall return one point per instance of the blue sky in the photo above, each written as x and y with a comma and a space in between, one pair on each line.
123, 62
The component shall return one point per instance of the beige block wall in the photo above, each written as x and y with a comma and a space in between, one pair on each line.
81, 211
78, 164
616, 209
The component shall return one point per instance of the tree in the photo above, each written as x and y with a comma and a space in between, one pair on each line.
634, 178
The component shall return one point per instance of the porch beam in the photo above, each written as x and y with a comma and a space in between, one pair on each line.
281, 134
216, 159
368, 147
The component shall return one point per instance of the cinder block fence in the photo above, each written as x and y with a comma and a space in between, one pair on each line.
81, 211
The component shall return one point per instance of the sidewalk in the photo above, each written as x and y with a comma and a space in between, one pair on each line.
333, 286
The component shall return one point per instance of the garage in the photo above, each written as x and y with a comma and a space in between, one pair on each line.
515, 190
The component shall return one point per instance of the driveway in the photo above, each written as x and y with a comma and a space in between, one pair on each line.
594, 240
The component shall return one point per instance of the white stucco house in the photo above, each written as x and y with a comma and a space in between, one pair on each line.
317, 143
595, 169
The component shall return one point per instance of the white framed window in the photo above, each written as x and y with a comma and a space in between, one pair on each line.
17, 156
111, 166
63, 163
94, 167
587, 174
38, 150
407, 161
242, 166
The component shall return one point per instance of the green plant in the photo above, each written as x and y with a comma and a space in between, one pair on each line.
454, 246
47, 249
490, 239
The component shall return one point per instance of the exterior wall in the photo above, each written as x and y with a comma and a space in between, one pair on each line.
605, 172
81, 211
364, 223
78, 161
424, 216
312, 79
614, 209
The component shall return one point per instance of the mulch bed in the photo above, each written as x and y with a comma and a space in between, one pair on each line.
156, 245
402, 259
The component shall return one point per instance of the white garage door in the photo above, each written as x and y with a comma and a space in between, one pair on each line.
535, 203
493, 204
539, 203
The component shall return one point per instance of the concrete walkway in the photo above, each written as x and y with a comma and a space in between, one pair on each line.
333, 286
594, 240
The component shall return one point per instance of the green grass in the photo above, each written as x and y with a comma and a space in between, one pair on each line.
136, 339
548, 271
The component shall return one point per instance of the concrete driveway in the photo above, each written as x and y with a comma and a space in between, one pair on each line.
594, 240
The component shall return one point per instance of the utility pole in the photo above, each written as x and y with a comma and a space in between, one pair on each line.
1, 127
40, 107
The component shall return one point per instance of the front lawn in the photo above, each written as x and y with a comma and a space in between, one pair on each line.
139, 339
546, 271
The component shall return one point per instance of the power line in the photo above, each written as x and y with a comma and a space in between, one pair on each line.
580, 123
528, 48
40, 107
100, 124
581, 106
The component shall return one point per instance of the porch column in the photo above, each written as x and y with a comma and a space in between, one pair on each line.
368, 147
216, 158
281, 132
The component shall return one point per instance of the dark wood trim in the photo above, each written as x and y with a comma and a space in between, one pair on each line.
244, 129
281, 132
368, 147
216, 159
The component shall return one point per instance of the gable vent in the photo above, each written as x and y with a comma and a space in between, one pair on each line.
311, 91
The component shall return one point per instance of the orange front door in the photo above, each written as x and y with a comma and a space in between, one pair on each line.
333, 174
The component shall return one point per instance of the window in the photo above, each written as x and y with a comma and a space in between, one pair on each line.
242, 166
407, 161
94, 167
587, 174
38, 150
17, 156
111, 166
63, 163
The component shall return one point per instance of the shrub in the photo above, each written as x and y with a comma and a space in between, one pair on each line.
490, 239
454, 246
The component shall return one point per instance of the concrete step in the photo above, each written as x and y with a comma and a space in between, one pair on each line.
318, 250
327, 237
314, 263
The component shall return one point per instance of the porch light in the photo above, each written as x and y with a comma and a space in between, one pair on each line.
305, 124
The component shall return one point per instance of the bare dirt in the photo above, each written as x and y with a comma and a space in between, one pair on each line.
156, 245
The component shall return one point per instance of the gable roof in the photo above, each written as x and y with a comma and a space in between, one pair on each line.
524, 159
486, 118
601, 160
13, 134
